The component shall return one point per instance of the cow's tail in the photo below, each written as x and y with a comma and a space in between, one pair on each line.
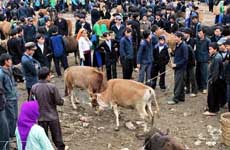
153, 98
65, 82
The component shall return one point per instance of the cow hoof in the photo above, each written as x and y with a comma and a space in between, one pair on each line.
116, 129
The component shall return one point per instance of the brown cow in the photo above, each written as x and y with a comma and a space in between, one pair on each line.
104, 21
5, 28
126, 93
84, 78
70, 27
169, 38
71, 46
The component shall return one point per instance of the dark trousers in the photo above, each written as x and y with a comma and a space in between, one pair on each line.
111, 70
228, 95
64, 63
11, 115
222, 92
4, 131
202, 75
145, 69
190, 81
127, 68
179, 78
87, 61
156, 69
56, 133
214, 96
211, 5
28, 92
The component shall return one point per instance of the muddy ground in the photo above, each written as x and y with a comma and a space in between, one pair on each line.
185, 120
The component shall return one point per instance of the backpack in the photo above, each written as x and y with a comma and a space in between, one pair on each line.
57, 45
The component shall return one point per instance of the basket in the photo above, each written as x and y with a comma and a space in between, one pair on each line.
225, 128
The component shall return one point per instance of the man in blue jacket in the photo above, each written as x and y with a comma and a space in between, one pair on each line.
126, 54
10, 94
179, 65
145, 57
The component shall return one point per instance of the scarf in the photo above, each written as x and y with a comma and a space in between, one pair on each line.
28, 117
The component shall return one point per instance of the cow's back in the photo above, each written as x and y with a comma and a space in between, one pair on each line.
81, 76
125, 92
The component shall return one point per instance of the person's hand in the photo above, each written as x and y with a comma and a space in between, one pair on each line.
138, 66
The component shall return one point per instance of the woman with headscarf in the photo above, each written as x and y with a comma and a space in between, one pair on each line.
29, 135
84, 45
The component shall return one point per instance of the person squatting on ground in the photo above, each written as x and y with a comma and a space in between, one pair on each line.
48, 98
29, 135
30, 66
161, 59
126, 54
179, 65
215, 74
110, 47
145, 57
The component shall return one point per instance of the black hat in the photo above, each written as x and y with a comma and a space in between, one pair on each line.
179, 34
227, 42
13, 32
30, 46
162, 37
187, 30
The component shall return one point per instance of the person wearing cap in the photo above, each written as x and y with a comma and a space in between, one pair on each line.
161, 59
82, 24
145, 57
126, 54
215, 73
118, 28
10, 93
202, 57
62, 25
110, 47
14, 48
29, 31
190, 82
43, 52
30, 66
179, 65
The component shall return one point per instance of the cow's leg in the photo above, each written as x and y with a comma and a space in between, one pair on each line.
75, 96
149, 105
143, 114
116, 112
72, 99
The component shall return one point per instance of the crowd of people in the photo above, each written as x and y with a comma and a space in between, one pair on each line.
135, 37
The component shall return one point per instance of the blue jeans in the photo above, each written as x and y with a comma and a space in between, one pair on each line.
11, 115
145, 68
4, 131
202, 75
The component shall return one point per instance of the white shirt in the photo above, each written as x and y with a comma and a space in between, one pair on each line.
160, 48
109, 44
41, 46
83, 45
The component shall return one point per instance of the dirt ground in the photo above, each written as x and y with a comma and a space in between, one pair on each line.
185, 120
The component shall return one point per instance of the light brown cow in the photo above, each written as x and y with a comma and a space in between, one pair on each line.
70, 27
84, 78
5, 28
126, 93
169, 38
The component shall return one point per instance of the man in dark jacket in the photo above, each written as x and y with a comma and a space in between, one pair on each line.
10, 93
14, 48
48, 98
95, 14
110, 47
29, 31
126, 54
161, 59
118, 28
179, 65
202, 56
30, 66
82, 24
214, 75
217, 34
145, 57
58, 49
22, 11
61, 23
43, 53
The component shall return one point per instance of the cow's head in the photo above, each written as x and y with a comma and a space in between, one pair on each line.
97, 102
